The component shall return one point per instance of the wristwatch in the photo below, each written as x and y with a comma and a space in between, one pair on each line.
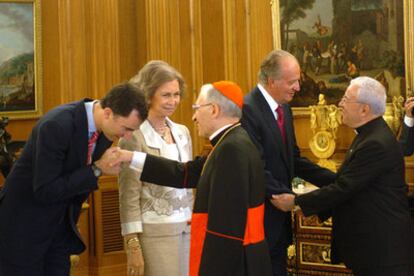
96, 171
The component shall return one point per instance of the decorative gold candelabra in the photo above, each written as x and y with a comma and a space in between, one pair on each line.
324, 122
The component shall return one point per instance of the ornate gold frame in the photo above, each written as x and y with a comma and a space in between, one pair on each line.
408, 44
38, 92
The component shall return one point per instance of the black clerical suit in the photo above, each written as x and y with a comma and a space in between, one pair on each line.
372, 227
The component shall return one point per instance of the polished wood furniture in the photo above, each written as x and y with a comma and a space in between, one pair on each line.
312, 250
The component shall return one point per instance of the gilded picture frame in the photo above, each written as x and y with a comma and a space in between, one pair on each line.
20, 59
387, 10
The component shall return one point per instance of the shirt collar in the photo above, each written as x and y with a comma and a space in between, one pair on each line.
218, 131
270, 101
89, 115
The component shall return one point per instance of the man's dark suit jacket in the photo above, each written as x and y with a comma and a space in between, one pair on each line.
371, 223
45, 190
407, 140
282, 162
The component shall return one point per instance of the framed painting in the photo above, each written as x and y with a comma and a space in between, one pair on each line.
337, 40
20, 59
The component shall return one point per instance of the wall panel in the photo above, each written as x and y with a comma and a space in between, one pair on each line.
90, 45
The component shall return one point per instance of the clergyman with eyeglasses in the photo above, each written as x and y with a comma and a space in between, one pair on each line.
227, 231
372, 232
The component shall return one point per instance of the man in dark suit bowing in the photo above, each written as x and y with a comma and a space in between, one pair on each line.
269, 122
60, 165
372, 230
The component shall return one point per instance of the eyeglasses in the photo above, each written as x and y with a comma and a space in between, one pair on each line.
195, 107
344, 99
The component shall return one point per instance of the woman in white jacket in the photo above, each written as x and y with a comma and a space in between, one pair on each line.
155, 219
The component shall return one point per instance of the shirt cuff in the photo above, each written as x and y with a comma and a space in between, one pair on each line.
131, 227
138, 161
408, 121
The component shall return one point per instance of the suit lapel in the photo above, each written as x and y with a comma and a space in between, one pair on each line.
81, 131
101, 146
181, 141
290, 137
271, 122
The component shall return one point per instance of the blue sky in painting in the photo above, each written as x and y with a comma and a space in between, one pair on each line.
16, 29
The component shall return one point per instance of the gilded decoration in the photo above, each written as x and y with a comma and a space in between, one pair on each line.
324, 122
316, 254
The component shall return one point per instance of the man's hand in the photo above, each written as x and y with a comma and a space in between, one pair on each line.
109, 163
123, 156
284, 202
408, 106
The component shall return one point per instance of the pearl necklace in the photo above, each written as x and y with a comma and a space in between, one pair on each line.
162, 131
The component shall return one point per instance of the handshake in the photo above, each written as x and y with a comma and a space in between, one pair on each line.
111, 161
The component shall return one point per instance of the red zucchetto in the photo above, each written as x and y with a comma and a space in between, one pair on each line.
231, 91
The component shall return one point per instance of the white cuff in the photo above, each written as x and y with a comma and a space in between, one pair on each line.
138, 161
408, 121
131, 227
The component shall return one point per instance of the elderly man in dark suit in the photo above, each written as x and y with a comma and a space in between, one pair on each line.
60, 165
372, 230
268, 119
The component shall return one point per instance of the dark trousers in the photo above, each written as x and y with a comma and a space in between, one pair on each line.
278, 254
397, 270
55, 262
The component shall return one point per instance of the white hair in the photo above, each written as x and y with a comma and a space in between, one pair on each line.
228, 107
372, 93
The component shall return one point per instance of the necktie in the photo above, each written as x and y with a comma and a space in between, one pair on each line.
91, 144
281, 122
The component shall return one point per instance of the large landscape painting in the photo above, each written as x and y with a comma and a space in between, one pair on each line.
337, 40
18, 91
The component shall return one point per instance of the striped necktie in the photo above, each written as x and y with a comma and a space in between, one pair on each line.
91, 144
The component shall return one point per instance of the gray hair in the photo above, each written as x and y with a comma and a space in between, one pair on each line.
154, 74
271, 65
372, 93
228, 107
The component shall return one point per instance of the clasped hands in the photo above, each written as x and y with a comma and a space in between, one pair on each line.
111, 161
284, 202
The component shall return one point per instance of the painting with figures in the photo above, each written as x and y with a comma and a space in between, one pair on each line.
338, 40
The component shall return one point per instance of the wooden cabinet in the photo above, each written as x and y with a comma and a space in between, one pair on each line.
311, 250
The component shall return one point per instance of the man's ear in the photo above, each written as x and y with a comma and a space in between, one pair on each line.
271, 82
215, 110
366, 109
107, 112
